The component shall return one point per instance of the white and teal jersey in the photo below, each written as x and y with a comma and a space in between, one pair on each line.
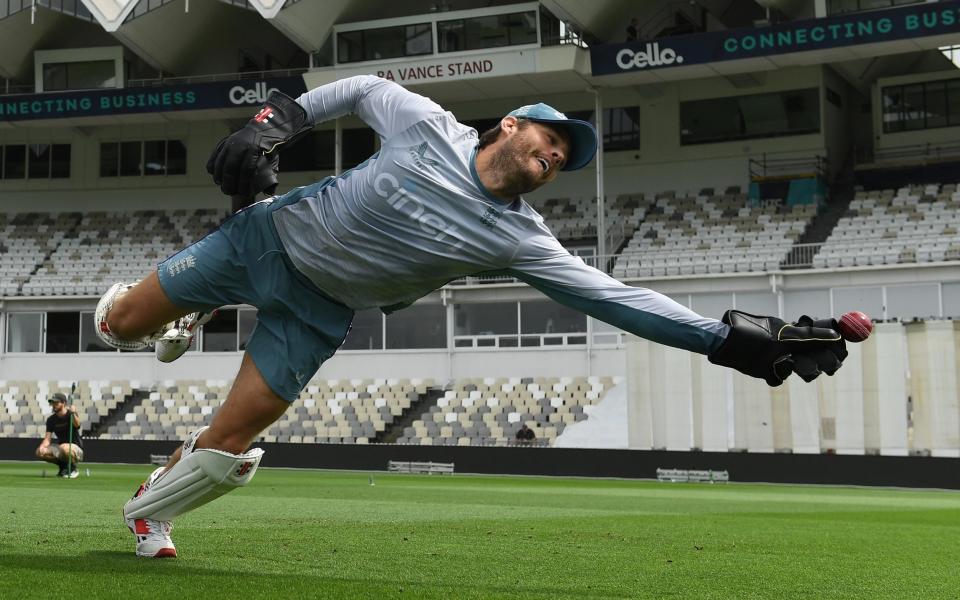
415, 216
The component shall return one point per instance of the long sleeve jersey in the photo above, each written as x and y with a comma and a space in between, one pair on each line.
415, 216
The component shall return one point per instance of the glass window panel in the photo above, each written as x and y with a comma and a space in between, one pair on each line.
936, 104
395, 42
758, 115
247, 322
953, 101
312, 152
55, 77
63, 332
366, 332
547, 316
419, 39
358, 146
868, 300
711, 305
892, 98
951, 300
913, 107
176, 157
521, 27
89, 341
154, 157
621, 129
14, 162
60, 161
38, 161
908, 301
485, 319
419, 326
485, 32
130, 158
220, 334
814, 303
349, 46
109, 159
23, 332
451, 36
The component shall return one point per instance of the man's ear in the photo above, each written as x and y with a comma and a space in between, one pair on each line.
508, 125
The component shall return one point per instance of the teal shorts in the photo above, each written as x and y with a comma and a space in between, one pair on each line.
243, 262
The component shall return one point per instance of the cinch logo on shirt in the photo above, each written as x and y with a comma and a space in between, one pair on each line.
387, 186
417, 153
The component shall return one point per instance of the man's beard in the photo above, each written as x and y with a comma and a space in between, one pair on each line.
510, 164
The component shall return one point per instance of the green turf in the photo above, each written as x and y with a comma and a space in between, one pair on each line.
314, 534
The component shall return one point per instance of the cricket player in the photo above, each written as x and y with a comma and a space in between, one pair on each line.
436, 203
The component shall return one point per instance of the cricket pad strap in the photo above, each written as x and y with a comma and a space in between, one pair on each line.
200, 476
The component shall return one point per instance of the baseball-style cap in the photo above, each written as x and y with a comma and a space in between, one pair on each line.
583, 137
58, 397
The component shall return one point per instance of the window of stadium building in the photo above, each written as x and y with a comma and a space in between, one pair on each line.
63, 332
925, 105
316, 151
384, 43
220, 334
544, 323
366, 331
24, 331
89, 341
85, 75
775, 114
491, 31
419, 326
35, 161
843, 6
150, 157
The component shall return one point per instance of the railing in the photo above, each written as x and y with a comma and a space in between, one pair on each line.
513, 340
159, 81
801, 256
908, 153
766, 168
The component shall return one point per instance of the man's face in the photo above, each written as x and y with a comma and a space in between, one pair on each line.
531, 155
57, 405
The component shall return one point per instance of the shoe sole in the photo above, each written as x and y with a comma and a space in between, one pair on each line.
161, 553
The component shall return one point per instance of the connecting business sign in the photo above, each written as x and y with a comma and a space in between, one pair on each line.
918, 20
91, 103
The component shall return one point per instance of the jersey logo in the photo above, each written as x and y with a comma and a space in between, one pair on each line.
490, 218
418, 154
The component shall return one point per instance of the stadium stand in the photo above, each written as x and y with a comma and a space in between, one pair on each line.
917, 223
473, 411
489, 411
707, 233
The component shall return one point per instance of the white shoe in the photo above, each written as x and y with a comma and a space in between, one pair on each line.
153, 537
177, 339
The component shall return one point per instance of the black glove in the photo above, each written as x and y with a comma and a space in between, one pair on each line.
236, 160
265, 179
771, 349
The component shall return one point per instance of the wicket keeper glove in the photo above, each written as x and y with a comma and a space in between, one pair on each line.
770, 349
237, 159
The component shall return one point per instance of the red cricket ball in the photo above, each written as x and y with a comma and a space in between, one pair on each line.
855, 326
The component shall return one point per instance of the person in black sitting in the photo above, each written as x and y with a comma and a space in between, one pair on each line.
68, 451
525, 435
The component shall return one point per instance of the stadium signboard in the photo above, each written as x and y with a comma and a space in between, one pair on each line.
91, 103
918, 20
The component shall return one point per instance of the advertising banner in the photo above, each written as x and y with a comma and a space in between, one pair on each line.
89, 103
917, 20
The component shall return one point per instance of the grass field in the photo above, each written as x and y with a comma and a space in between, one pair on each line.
317, 534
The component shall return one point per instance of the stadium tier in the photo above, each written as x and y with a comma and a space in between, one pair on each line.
475, 411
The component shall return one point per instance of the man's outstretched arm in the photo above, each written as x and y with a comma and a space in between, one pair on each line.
244, 163
763, 347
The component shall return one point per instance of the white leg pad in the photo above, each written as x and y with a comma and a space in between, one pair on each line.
200, 476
